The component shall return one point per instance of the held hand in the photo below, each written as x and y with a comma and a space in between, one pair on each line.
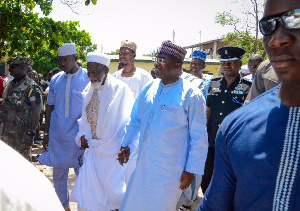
123, 155
84, 142
45, 143
186, 180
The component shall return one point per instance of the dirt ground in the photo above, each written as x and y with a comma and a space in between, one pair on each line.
48, 172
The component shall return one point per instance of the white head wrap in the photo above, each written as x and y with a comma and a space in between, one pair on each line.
98, 58
67, 49
244, 69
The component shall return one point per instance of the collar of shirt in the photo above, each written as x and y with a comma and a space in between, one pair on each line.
232, 85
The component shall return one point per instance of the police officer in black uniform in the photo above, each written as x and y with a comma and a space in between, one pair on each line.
225, 94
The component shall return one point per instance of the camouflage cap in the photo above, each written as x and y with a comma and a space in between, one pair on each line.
128, 44
19, 60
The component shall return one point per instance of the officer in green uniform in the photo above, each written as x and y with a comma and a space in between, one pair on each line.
225, 94
20, 107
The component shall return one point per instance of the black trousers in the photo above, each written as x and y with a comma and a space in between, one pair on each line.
208, 169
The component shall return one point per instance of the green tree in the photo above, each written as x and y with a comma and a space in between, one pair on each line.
58, 33
23, 33
79, 6
246, 41
245, 32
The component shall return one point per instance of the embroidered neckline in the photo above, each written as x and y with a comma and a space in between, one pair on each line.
288, 162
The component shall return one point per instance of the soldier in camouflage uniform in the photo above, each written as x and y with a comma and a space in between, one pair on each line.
20, 108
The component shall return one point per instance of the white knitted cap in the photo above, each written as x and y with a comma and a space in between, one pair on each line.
67, 49
98, 58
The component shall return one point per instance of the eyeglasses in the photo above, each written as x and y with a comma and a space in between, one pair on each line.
289, 20
160, 60
252, 66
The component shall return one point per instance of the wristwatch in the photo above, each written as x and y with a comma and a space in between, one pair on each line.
31, 132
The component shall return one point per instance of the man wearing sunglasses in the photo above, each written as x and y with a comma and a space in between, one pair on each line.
257, 163
20, 108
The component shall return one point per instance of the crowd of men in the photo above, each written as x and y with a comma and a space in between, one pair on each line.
139, 143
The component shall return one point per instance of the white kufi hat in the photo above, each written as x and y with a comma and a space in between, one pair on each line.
67, 49
98, 58
245, 70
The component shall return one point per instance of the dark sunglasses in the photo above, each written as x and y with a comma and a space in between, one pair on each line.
289, 20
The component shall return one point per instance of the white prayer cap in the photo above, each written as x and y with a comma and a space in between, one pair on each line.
245, 70
67, 49
98, 58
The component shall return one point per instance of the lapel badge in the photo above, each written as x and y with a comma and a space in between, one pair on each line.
239, 87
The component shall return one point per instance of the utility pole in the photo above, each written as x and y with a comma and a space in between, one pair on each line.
173, 36
200, 40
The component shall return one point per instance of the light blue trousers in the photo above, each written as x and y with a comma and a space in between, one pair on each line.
61, 185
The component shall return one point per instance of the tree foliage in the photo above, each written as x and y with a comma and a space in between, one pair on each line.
24, 33
226, 18
245, 32
246, 41
80, 6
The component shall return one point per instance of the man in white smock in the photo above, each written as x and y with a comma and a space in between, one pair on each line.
136, 78
106, 110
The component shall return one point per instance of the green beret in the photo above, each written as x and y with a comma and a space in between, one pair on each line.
19, 60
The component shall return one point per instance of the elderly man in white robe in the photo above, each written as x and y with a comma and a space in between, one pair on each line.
169, 114
106, 110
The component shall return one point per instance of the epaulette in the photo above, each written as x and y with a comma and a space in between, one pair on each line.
37, 94
37, 88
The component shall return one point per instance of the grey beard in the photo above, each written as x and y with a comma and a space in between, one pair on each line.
97, 85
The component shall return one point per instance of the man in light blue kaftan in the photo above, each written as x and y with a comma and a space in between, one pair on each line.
64, 106
257, 160
201, 81
170, 116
